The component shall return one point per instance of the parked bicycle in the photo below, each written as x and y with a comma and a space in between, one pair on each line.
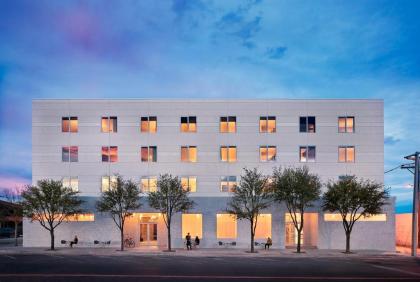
129, 242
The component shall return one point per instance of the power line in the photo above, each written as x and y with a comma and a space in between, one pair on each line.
399, 166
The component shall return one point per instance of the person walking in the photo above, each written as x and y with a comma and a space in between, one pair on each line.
188, 240
268, 244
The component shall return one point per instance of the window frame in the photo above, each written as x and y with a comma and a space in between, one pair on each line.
69, 158
228, 121
267, 147
148, 120
69, 119
189, 124
188, 147
153, 159
110, 179
234, 221
70, 180
345, 124
149, 179
266, 119
108, 121
109, 154
306, 124
229, 181
228, 159
189, 179
346, 147
307, 154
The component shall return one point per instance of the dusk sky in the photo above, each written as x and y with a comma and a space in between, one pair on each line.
210, 49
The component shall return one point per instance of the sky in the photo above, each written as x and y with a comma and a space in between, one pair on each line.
210, 49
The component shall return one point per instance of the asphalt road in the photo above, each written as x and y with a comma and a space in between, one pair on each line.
56, 267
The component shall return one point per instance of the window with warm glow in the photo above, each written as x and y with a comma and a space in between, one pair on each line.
228, 154
307, 154
226, 226
346, 124
189, 183
148, 124
81, 217
149, 184
268, 124
268, 153
263, 229
149, 154
228, 183
70, 154
69, 124
109, 124
346, 154
228, 124
193, 224
307, 124
108, 182
337, 217
71, 182
189, 124
110, 154
189, 154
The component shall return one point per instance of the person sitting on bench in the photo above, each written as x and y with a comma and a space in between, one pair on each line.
74, 242
268, 244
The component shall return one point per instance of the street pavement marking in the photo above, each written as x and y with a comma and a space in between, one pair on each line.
10, 257
396, 269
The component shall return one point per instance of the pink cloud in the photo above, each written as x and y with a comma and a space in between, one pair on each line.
10, 182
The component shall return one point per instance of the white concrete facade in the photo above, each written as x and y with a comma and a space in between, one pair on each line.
367, 139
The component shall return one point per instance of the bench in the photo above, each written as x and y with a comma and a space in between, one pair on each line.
102, 244
227, 244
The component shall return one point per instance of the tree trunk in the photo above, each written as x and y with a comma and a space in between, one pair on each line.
252, 237
169, 238
299, 231
16, 231
52, 238
122, 238
347, 242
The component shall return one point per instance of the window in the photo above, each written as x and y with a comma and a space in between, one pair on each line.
189, 154
193, 224
110, 154
148, 124
69, 124
346, 124
307, 124
81, 217
268, 153
108, 182
346, 154
268, 124
228, 154
189, 183
109, 124
307, 154
228, 183
149, 184
228, 124
71, 182
226, 226
263, 229
149, 154
188, 124
70, 154
337, 217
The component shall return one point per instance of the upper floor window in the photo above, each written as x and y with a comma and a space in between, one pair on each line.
189, 183
109, 124
228, 154
110, 154
346, 154
268, 153
69, 124
228, 124
189, 154
149, 184
228, 183
71, 182
149, 154
307, 124
70, 154
307, 154
189, 124
108, 182
346, 124
268, 124
148, 124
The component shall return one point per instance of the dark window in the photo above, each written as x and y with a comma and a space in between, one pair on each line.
307, 124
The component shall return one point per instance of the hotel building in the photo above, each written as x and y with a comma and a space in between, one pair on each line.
207, 143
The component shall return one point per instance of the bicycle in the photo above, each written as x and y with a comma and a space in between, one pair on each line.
129, 242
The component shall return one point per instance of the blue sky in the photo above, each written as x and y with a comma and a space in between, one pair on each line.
180, 48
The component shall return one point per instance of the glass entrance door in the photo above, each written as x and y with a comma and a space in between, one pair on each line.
148, 233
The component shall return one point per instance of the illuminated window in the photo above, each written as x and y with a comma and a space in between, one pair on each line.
109, 124
193, 224
149, 184
228, 183
226, 226
307, 124
189, 154
346, 124
346, 154
69, 124
228, 154
148, 124
337, 217
228, 124
268, 124
268, 153
307, 154
189, 183
110, 154
108, 182
81, 217
71, 182
189, 124
149, 154
70, 154
263, 229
